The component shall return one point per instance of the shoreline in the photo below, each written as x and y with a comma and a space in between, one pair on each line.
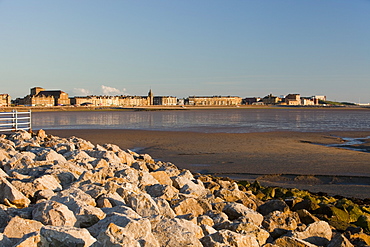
266, 153
177, 107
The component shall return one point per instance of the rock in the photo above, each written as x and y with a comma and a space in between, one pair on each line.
162, 177
205, 220
229, 238
236, 210
53, 213
41, 134
306, 217
306, 204
19, 227
63, 236
136, 232
364, 222
143, 204
176, 232
116, 236
339, 240
273, 205
278, 223
11, 196
5, 241
292, 242
318, 233
162, 191
260, 234
31, 240
164, 208
116, 218
188, 206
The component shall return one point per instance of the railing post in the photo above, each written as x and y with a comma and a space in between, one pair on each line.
16, 120
13, 119
29, 112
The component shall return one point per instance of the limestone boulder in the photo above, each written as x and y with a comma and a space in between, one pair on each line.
229, 238
164, 208
273, 205
118, 219
188, 206
279, 223
318, 233
176, 232
135, 230
53, 213
292, 242
163, 191
235, 210
162, 177
18, 227
5, 241
31, 240
11, 196
64, 236
143, 204
339, 240
260, 234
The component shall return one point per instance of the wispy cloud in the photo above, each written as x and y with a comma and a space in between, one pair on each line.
112, 91
81, 91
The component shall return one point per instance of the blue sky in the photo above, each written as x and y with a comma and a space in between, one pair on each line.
181, 48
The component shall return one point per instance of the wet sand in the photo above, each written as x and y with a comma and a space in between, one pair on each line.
294, 159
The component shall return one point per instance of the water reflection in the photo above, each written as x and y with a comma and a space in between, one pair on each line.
231, 120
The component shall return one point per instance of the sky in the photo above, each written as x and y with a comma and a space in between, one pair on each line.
246, 48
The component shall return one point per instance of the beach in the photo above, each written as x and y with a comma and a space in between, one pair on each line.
290, 159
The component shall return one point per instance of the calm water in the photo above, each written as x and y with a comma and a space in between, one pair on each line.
223, 120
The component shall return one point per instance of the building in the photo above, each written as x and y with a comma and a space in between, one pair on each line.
293, 99
40, 97
5, 100
121, 100
164, 100
213, 100
252, 101
319, 97
271, 100
309, 101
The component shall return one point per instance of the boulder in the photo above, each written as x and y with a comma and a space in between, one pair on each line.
143, 204
162, 177
31, 240
229, 238
236, 210
19, 227
63, 236
11, 196
135, 232
188, 206
5, 241
279, 223
339, 240
273, 205
53, 213
260, 234
292, 242
318, 233
176, 232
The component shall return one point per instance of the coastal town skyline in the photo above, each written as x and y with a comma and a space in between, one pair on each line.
184, 48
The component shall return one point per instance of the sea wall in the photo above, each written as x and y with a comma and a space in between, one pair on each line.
68, 192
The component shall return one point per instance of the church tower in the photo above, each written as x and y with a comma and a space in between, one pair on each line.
150, 97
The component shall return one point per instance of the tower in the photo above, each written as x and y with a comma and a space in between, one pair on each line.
150, 97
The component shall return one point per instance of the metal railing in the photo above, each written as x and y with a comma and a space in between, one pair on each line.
15, 120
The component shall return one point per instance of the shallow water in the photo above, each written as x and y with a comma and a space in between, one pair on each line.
220, 120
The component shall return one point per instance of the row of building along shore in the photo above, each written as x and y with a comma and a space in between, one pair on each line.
41, 97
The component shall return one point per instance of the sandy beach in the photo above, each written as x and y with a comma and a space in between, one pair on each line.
290, 159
